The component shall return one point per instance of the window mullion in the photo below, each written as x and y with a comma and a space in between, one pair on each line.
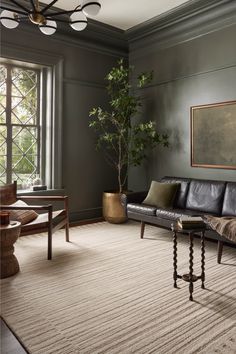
39, 167
8, 124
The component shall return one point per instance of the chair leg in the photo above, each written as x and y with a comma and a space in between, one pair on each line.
67, 232
67, 219
219, 251
50, 234
142, 229
49, 245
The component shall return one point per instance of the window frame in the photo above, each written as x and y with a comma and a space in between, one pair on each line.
52, 67
10, 125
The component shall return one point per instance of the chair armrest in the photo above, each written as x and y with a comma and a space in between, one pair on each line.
133, 197
28, 207
55, 198
42, 197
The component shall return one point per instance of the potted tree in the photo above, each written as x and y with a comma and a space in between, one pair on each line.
125, 142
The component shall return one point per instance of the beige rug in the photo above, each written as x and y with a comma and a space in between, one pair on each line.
109, 292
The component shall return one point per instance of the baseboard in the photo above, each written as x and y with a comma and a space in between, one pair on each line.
86, 222
85, 214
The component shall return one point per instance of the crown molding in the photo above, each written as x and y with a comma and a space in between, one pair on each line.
187, 15
97, 35
100, 40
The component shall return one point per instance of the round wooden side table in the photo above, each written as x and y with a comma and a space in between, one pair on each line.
189, 277
8, 236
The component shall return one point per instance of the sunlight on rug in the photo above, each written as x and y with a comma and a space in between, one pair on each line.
109, 292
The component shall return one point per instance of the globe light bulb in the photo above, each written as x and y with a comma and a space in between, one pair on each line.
49, 28
9, 19
78, 21
91, 8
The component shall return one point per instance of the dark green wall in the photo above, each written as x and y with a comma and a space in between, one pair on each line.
193, 64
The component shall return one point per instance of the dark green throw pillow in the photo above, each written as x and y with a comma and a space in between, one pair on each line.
161, 195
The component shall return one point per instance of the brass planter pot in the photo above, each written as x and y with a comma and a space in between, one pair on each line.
113, 211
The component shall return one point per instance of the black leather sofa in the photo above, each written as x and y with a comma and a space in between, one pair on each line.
195, 197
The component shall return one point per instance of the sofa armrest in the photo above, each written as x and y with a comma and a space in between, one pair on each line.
133, 197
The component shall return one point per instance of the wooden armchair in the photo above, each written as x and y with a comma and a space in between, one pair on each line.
48, 221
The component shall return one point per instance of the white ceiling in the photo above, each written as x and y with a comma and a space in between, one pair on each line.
125, 14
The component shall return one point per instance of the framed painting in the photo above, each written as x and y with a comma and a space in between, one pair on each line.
213, 135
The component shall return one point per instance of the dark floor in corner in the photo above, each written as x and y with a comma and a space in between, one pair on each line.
9, 343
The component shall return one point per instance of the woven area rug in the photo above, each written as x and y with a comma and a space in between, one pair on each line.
108, 291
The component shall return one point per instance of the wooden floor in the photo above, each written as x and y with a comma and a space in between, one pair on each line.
9, 343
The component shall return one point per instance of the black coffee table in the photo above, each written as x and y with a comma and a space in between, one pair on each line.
189, 277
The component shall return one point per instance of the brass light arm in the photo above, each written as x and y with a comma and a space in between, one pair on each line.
48, 6
33, 5
19, 5
14, 10
53, 14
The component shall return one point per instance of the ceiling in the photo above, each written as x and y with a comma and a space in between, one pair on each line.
125, 14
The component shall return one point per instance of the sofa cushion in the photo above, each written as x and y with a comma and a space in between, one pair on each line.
141, 208
174, 214
229, 204
181, 194
206, 196
161, 195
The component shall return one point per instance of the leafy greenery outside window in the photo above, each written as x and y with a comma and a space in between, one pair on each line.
20, 128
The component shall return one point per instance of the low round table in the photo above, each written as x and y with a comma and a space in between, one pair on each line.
8, 236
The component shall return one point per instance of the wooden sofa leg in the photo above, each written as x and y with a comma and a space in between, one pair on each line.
219, 251
142, 229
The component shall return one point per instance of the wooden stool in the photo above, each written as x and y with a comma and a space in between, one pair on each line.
8, 236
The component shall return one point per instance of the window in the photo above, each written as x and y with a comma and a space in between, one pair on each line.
20, 130
45, 128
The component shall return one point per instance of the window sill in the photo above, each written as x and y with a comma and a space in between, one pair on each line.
43, 192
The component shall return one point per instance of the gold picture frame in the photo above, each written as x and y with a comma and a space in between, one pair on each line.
213, 135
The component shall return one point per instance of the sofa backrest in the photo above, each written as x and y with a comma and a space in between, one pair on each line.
229, 203
206, 196
181, 195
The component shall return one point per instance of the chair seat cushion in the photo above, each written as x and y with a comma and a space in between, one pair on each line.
23, 216
41, 220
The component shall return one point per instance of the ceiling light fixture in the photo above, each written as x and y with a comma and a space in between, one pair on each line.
45, 19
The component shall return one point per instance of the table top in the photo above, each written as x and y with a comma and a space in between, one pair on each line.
11, 225
193, 229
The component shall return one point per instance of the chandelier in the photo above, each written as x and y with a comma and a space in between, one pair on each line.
46, 19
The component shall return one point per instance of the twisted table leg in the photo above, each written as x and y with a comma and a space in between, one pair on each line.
203, 258
175, 258
190, 267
